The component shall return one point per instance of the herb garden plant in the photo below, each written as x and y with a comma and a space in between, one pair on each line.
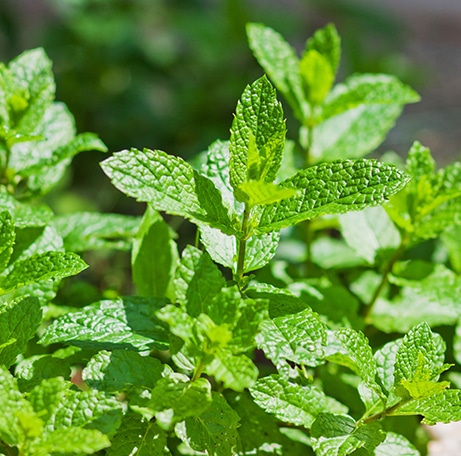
311, 316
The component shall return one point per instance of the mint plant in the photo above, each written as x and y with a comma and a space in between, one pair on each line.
277, 332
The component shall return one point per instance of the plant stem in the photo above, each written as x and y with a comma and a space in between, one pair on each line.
385, 277
242, 246
198, 370
380, 415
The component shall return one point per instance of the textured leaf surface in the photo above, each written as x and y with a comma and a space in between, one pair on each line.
214, 431
92, 230
24, 214
129, 322
121, 370
19, 320
317, 74
175, 398
138, 437
396, 445
261, 193
7, 237
337, 435
154, 256
292, 403
41, 267
257, 135
329, 188
299, 338
280, 62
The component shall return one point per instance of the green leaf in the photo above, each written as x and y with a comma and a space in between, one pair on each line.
121, 370
197, 280
13, 403
443, 407
261, 193
370, 233
338, 435
223, 249
7, 237
124, 323
72, 440
83, 231
175, 398
396, 445
154, 256
213, 431
280, 62
25, 215
257, 136
139, 437
169, 184
300, 338
451, 240
317, 75
41, 267
293, 403
62, 407
329, 188
327, 43
19, 320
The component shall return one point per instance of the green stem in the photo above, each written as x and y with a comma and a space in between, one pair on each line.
242, 246
387, 412
198, 370
385, 275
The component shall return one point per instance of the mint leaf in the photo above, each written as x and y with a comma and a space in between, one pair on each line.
292, 403
299, 338
41, 267
25, 215
128, 323
7, 237
257, 136
370, 233
330, 188
19, 321
261, 193
213, 431
169, 184
175, 398
443, 407
121, 370
154, 240
139, 437
450, 239
280, 62
396, 445
327, 43
83, 231
335, 435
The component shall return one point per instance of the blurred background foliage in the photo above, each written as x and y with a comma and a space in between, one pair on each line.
166, 74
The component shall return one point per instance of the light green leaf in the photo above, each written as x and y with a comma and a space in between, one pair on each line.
41, 267
317, 75
154, 256
197, 280
83, 231
25, 215
62, 407
370, 232
339, 435
293, 403
7, 238
396, 445
257, 136
139, 437
73, 440
327, 43
331, 253
236, 372
385, 363
19, 321
169, 184
121, 370
443, 407
367, 90
329, 188
13, 403
124, 323
261, 193
451, 240
300, 338
280, 62
175, 398
223, 249
213, 431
